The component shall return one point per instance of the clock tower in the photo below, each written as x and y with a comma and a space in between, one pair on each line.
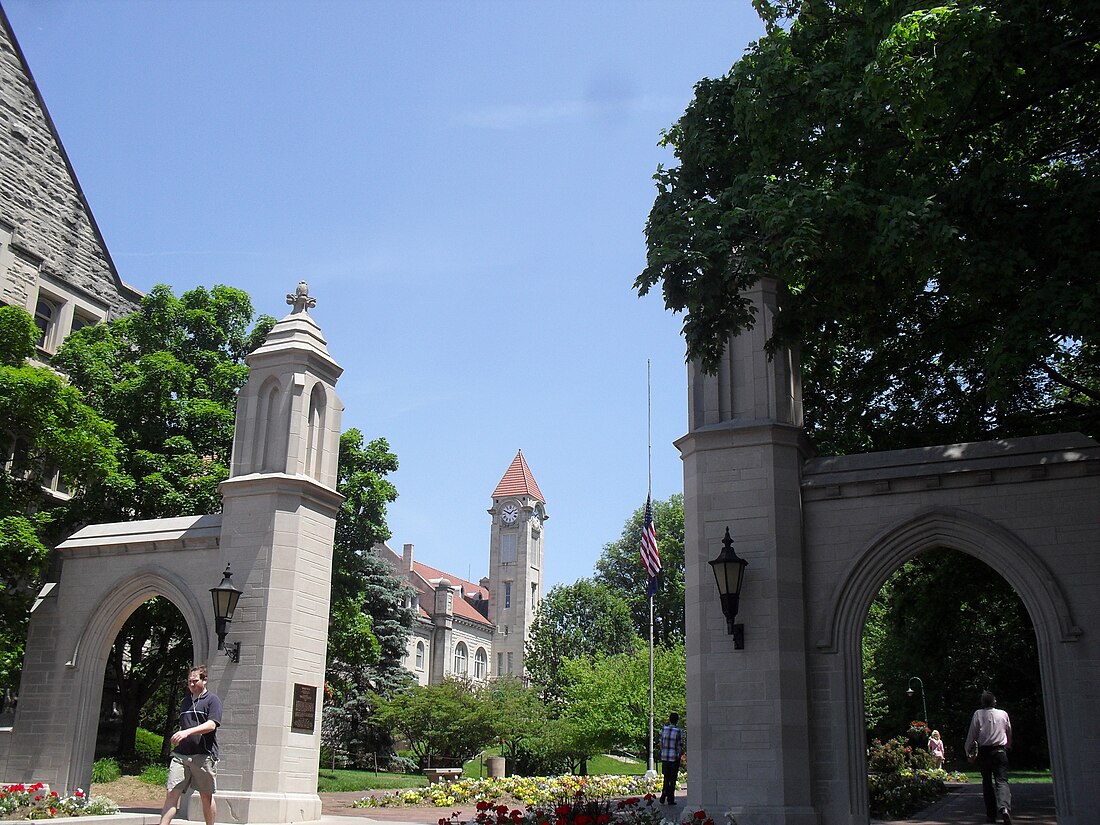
516, 569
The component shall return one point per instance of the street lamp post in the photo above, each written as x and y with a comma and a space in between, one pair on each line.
923, 704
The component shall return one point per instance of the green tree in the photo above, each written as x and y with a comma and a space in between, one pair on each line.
516, 716
607, 697
573, 621
620, 568
445, 724
369, 623
922, 181
168, 377
49, 431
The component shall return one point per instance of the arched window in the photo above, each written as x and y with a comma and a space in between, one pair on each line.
419, 655
44, 314
460, 659
481, 664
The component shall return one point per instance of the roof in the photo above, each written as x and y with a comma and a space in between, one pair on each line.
518, 481
424, 579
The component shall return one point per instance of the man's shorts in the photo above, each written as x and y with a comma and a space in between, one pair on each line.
199, 772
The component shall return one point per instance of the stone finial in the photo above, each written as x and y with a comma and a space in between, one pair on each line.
301, 300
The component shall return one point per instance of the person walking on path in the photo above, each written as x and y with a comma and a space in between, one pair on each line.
991, 733
935, 747
194, 761
672, 749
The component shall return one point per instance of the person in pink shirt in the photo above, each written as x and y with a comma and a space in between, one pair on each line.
991, 733
935, 747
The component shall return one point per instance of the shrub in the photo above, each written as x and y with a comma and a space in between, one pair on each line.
105, 770
147, 746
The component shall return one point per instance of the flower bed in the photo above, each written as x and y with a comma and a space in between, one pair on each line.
524, 790
38, 802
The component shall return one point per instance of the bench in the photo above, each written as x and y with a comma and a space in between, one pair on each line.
441, 774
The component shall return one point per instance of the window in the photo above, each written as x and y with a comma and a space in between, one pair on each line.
507, 594
460, 659
481, 664
508, 548
80, 320
44, 315
419, 655
510, 662
534, 595
500, 664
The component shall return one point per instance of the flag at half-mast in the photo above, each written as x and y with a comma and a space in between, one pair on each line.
651, 559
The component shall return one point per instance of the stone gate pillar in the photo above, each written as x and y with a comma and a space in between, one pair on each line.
279, 515
747, 710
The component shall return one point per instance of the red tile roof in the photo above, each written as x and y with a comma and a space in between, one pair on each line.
424, 578
518, 481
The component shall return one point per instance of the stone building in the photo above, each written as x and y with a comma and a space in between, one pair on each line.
53, 261
479, 630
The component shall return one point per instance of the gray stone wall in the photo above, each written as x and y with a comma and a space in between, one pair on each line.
45, 223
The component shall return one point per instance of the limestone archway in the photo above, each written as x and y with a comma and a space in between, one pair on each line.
89, 655
977, 536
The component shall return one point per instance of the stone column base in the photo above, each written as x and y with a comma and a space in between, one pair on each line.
256, 807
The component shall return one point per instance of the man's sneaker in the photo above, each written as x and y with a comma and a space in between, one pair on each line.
1006, 817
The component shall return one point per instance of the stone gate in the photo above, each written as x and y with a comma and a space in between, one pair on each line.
275, 531
776, 730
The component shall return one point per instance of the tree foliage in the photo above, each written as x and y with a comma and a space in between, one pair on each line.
445, 724
620, 569
576, 620
607, 697
369, 624
168, 377
948, 619
922, 181
48, 429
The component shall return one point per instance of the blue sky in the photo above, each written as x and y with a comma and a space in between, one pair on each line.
465, 188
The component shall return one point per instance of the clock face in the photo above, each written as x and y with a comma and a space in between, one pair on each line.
509, 514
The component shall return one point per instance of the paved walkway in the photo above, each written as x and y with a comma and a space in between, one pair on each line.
1032, 804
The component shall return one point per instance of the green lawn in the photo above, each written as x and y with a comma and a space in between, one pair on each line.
344, 780
1021, 777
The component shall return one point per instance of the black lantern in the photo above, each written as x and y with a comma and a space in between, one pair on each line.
225, 597
729, 573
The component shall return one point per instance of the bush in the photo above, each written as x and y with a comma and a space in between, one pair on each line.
105, 770
155, 775
400, 764
147, 746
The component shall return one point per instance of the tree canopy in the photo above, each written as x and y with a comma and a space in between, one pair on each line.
167, 376
921, 178
576, 620
620, 568
49, 432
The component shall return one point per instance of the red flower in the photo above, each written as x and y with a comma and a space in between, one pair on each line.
562, 810
79, 792
603, 819
482, 805
700, 815
582, 819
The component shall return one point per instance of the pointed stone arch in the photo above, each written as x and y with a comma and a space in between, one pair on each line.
89, 655
845, 615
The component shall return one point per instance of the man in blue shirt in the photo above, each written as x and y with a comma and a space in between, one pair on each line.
672, 748
194, 762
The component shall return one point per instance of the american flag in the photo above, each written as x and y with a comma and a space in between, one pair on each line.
651, 559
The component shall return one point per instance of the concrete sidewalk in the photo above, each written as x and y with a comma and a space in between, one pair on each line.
1032, 804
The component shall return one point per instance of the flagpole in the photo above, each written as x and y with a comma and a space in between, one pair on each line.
649, 496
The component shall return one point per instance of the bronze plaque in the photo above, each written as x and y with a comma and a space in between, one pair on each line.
304, 714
